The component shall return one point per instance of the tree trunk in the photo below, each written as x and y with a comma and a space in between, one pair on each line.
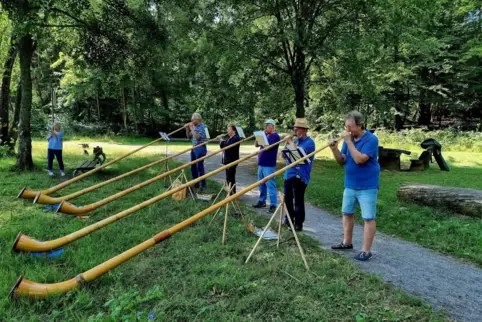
5, 94
298, 79
16, 116
425, 116
25, 52
123, 99
98, 108
463, 201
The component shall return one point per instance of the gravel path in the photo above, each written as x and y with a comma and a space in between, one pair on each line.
442, 281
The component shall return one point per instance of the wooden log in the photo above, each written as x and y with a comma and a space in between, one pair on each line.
460, 200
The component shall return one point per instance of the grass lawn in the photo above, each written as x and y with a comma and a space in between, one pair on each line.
190, 276
433, 228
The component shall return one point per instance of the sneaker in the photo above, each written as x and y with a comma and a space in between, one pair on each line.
271, 209
51, 173
62, 174
260, 205
342, 246
362, 256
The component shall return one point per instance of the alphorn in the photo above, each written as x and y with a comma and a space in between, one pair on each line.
25, 287
28, 244
68, 208
47, 200
31, 194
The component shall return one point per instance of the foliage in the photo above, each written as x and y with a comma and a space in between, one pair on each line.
187, 277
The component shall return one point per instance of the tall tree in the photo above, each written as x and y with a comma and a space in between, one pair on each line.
5, 93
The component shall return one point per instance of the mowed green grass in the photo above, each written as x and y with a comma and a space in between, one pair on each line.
188, 277
438, 229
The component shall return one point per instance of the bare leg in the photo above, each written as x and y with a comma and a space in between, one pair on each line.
348, 223
368, 235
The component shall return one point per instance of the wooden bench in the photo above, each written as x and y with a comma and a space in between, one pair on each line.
423, 162
389, 159
99, 159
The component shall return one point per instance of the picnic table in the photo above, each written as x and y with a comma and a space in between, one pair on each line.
389, 159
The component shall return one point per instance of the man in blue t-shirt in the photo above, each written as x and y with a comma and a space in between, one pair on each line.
55, 145
266, 167
196, 130
298, 177
359, 155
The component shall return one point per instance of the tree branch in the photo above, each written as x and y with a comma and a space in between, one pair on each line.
286, 50
65, 13
59, 26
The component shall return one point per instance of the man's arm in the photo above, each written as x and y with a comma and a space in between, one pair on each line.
368, 150
195, 135
339, 156
188, 129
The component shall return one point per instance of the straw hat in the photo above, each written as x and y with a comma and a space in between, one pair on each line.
301, 123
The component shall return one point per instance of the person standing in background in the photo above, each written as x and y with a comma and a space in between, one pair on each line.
267, 166
55, 145
230, 155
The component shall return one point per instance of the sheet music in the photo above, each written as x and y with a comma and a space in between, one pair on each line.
261, 138
164, 136
240, 131
294, 153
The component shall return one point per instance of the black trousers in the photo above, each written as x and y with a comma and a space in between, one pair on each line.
231, 177
294, 191
50, 159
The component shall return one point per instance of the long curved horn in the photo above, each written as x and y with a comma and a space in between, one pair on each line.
25, 287
30, 194
26, 243
45, 199
68, 208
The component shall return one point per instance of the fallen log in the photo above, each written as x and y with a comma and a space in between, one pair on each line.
460, 200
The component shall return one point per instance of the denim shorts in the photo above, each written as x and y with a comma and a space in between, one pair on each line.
366, 198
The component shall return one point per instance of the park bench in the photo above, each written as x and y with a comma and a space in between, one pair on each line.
99, 158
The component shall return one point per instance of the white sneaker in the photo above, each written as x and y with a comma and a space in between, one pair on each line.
62, 174
51, 173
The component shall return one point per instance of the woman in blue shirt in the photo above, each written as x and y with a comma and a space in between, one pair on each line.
55, 145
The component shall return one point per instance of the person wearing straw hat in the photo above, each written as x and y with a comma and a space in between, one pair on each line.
359, 156
196, 130
267, 166
296, 179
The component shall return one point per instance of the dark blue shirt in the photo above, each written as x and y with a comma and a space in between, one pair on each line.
302, 170
367, 175
268, 158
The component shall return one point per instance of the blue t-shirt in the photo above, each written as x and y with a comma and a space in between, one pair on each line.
268, 158
56, 142
367, 175
302, 170
200, 130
